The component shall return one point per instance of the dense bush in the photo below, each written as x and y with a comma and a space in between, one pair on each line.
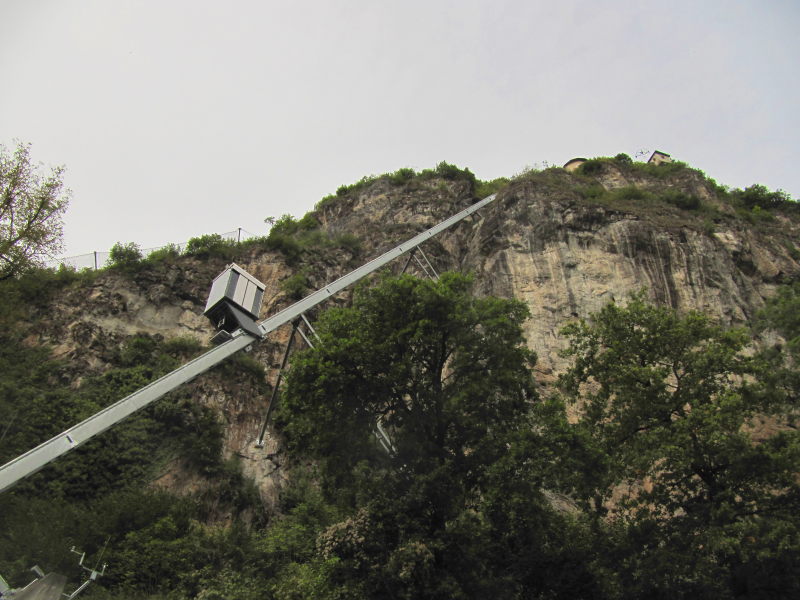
450, 172
487, 188
593, 166
290, 236
288, 225
759, 195
168, 254
211, 245
623, 158
124, 256
660, 171
295, 285
680, 199
629, 192
349, 242
402, 176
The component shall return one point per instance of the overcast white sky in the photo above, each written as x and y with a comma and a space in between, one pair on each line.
176, 119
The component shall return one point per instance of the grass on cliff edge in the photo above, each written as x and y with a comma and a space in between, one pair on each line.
667, 204
667, 197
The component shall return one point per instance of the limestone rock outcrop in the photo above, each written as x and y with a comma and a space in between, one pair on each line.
545, 240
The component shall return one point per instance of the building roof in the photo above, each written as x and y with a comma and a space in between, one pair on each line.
573, 164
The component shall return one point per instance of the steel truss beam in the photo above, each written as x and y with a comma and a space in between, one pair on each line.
37, 458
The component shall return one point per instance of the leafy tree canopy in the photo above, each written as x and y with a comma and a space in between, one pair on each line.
455, 511
666, 405
782, 313
31, 211
438, 367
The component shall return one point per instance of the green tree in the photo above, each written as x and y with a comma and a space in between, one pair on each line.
456, 509
125, 256
438, 367
782, 313
211, 244
758, 195
667, 403
32, 207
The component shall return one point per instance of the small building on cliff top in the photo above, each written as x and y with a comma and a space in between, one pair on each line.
659, 157
572, 164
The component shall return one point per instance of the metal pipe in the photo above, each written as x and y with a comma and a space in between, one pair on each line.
274, 396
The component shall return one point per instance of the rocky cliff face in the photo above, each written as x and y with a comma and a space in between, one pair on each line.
565, 256
567, 259
557, 241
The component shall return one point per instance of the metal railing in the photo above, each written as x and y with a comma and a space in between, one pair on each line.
99, 259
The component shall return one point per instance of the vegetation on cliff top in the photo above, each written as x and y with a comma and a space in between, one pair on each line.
657, 489
754, 204
669, 193
667, 199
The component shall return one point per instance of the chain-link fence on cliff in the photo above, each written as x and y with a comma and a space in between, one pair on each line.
99, 259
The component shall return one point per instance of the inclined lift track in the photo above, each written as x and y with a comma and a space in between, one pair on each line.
243, 337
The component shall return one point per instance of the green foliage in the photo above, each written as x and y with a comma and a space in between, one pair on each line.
392, 358
680, 199
167, 254
184, 346
295, 285
96, 492
631, 197
480, 497
32, 209
43, 403
125, 257
487, 188
452, 172
759, 196
782, 313
22, 296
665, 404
449, 172
593, 166
286, 245
619, 196
661, 171
243, 368
291, 236
211, 245
628, 192
345, 190
593, 191
758, 214
406, 175
402, 176
287, 225
349, 242
456, 509
623, 158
